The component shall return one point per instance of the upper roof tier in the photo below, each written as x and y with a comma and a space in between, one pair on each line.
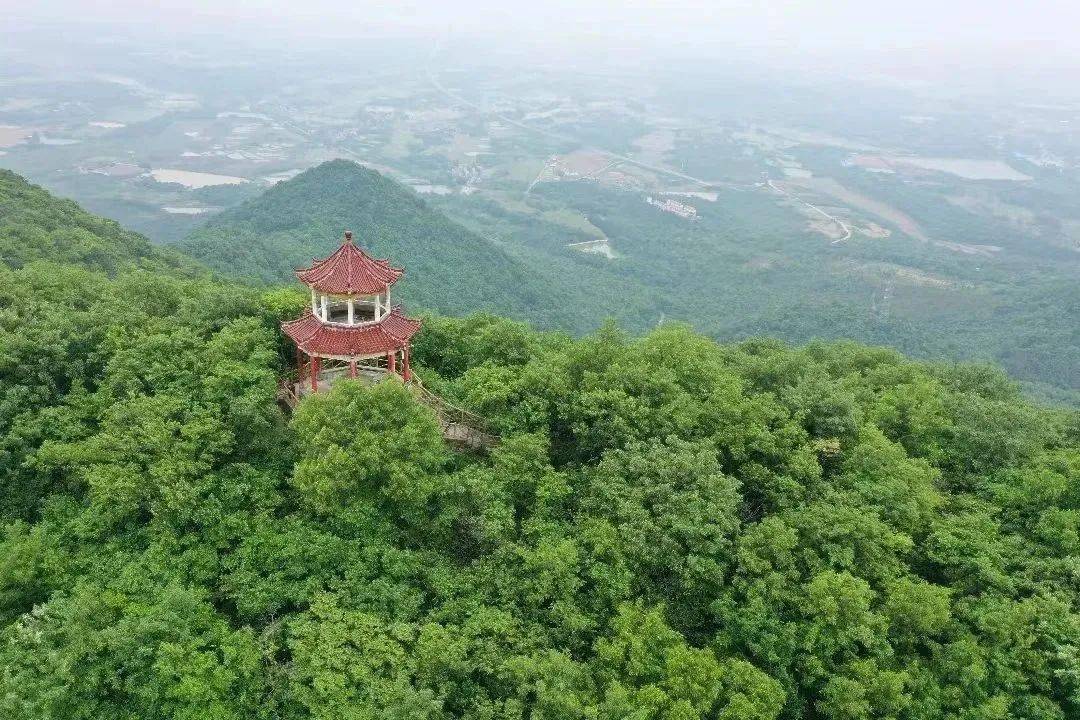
350, 271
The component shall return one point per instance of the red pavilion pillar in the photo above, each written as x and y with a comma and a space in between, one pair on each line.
315, 363
391, 361
352, 368
405, 371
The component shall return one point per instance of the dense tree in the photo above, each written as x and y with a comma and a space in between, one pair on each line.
669, 528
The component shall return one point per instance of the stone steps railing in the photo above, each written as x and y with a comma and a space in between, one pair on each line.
459, 426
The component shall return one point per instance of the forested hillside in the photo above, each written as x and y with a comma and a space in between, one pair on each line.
34, 225
670, 529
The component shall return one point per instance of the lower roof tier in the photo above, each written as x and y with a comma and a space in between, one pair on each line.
315, 337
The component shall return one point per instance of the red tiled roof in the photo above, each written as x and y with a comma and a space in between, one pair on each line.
315, 337
350, 271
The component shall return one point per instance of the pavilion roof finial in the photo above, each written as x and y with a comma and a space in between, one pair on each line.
348, 236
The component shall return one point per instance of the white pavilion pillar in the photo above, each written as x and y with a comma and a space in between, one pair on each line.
323, 309
350, 310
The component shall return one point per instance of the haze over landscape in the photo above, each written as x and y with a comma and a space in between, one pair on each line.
924, 178
745, 380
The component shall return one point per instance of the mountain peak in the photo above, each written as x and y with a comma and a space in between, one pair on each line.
270, 236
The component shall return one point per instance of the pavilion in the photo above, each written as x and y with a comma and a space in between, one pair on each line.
350, 329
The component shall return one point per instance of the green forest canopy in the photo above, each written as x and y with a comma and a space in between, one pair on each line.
35, 226
670, 529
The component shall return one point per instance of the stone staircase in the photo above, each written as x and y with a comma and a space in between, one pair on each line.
460, 428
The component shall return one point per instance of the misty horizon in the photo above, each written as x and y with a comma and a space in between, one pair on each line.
922, 39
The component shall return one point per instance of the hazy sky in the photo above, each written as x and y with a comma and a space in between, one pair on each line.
990, 32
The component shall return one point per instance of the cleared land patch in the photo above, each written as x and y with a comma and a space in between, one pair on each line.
11, 135
967, 168
892, 271
193, 180
905, 223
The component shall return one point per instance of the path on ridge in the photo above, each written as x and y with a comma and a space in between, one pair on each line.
844, 226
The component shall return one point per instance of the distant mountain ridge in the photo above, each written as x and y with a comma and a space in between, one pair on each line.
448, 268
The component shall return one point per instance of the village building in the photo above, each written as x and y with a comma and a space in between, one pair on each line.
674, 207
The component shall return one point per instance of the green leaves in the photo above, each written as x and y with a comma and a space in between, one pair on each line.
161, 652
674, 514
350, 664
646, 670
669, 529
373, 444
36, 226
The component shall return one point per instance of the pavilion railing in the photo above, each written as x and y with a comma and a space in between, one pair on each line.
287, 392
